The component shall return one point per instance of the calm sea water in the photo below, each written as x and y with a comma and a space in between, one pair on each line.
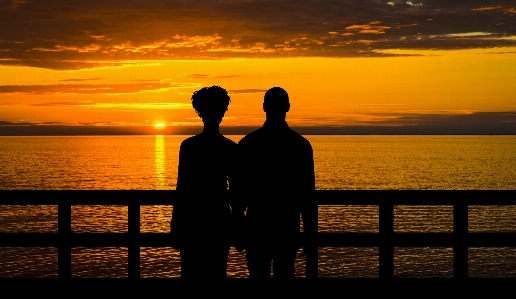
341, 162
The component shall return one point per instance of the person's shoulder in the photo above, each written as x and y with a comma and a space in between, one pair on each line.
228, 142
251, 136
190, 141
300, 138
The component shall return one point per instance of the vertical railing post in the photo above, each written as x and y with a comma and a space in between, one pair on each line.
386, 230
133, 223
460, 232
64, 230
311, 229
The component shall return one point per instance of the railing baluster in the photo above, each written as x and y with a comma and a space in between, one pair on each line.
460, 233
386, 229
64, 251
312, 265
133, 218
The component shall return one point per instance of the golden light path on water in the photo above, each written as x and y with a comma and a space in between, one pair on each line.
160, 162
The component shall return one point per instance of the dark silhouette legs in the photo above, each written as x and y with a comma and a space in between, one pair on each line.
259, 261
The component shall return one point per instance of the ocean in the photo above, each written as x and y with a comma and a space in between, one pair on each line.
344, 162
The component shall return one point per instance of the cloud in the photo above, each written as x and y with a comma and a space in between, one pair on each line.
86, 89
16, 3
136, 106
126, 106
202, 76
414, 119
417, 123
500, 9
68, 35
80, 80
50, 104
250, 90
10, 123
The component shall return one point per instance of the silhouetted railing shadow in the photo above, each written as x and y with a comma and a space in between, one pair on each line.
386, 239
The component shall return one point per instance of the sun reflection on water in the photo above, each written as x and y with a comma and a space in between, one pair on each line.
160, 162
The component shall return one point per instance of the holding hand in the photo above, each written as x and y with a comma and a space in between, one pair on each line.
238, 229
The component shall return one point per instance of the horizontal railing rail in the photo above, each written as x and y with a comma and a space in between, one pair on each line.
386, 239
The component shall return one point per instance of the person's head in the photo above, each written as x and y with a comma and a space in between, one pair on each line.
276, 103
211, 103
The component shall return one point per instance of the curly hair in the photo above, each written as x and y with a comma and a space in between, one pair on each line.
208, 99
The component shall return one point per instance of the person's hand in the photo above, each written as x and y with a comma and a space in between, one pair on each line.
177, 244
238, 231
239, 241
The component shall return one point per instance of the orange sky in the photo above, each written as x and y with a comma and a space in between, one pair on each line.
403, 64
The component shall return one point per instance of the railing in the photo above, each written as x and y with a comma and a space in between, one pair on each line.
386, 239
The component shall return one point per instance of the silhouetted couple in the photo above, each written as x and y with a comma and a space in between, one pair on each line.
270, 176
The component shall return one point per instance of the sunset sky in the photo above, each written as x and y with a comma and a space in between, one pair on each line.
368, 66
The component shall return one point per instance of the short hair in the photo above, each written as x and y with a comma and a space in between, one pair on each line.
276, 95
208, 99
276, 98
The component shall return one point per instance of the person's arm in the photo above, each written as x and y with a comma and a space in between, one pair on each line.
238, 206
176, 220
238, 226
310, 187
237, 203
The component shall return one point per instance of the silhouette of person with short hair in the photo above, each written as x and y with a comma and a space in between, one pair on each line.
275, 178
201, 217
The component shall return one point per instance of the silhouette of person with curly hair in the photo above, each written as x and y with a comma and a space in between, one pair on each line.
201, 218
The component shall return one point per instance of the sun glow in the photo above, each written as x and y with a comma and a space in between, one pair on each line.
159, 126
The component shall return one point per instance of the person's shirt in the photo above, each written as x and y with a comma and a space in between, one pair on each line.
205, 171
275, 158
275, 174
206, 163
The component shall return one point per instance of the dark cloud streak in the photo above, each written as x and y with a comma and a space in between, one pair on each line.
251, 90
87, 88
80, 80
51, 104
484, 123
204, 76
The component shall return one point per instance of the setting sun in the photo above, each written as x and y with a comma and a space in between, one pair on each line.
159, 126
